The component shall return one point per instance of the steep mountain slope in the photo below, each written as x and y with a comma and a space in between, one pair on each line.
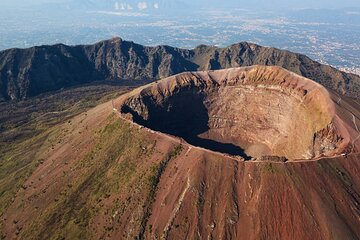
101, 176
29, 72
25, 125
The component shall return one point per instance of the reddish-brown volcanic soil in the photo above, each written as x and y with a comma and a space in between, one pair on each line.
254, 111
103, 176
203, 196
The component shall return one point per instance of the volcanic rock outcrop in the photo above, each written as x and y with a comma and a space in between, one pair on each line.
250, 112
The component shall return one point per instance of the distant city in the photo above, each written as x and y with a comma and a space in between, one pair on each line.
328, 36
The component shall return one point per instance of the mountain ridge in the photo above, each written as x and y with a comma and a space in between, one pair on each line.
29, 72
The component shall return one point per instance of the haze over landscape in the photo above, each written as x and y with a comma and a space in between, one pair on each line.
179, 119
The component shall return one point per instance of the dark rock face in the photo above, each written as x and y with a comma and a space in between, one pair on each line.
29, 72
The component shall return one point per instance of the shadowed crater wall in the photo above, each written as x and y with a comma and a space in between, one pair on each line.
183, 114
250, 112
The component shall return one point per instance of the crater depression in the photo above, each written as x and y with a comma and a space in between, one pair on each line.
250, 112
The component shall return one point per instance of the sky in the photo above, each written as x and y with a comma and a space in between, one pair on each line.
176, 4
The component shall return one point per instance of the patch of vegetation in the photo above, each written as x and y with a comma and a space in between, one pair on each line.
74, 210
16, 166
26, 125
269, 168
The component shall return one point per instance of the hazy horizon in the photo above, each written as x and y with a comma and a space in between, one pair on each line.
166, 4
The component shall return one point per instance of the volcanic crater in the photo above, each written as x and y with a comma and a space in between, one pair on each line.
253, 112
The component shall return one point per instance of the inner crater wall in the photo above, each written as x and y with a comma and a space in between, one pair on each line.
262, 121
